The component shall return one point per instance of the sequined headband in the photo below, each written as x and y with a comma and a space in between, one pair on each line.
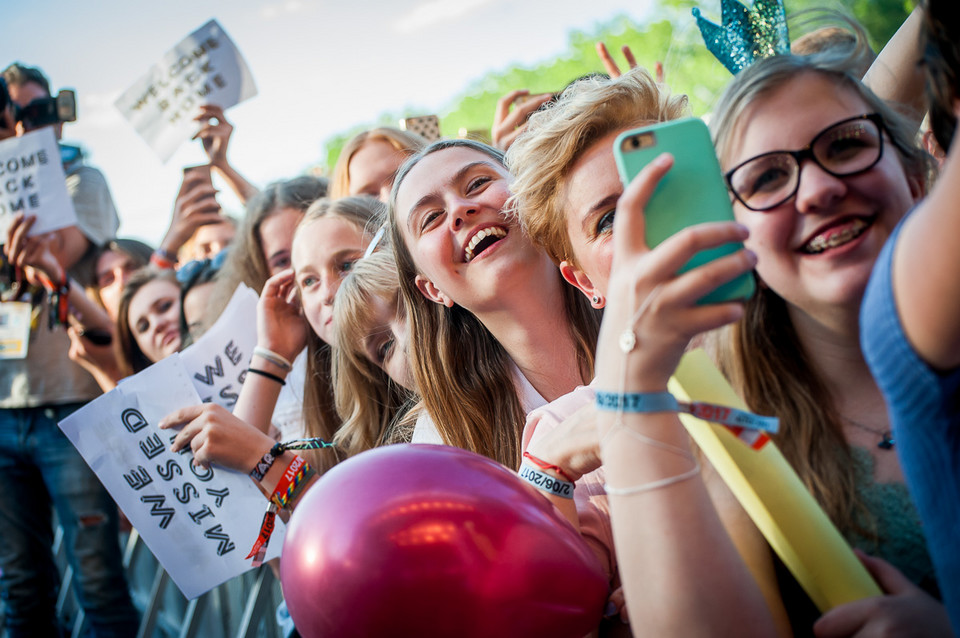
746, 35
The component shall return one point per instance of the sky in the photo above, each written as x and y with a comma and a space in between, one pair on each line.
321, 67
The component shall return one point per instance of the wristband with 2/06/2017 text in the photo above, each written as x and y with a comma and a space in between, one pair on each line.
545, 482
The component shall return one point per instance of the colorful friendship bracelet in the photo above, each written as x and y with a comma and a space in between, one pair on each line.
269, 457
292, 482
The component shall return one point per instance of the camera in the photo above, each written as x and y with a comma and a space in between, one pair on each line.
44, 111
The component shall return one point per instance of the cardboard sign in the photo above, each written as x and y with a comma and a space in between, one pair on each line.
32, 182
205, 68
217, 363
199, 523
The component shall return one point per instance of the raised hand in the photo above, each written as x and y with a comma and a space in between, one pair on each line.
196, 205
507, 124
613, 69
648, 298
281, 326
214, 133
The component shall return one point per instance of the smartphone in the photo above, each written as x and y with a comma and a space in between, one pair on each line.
188, 171
67, 105
427, 126
692, 192
200, 169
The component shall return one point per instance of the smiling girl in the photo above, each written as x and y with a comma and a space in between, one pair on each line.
495, 332
148, 320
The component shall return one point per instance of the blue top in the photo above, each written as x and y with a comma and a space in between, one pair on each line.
924, 407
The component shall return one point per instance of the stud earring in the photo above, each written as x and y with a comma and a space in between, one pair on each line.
596, 300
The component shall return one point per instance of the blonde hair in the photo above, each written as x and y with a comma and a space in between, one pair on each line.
543, 155
405, 142
463, 374
367, 400
762, 354
320, 416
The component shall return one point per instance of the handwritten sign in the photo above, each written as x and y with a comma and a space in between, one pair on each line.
32, 182
205, 68
199, 523
218, 361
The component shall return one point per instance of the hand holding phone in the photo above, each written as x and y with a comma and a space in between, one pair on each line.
692, 192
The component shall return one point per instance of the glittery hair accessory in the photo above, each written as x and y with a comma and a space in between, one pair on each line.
746, 35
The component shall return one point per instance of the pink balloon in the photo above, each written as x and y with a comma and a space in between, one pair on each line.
429, 540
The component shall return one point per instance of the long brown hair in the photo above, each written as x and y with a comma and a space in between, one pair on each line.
464, 375
320, 416
368, 401
762, 354
129, 355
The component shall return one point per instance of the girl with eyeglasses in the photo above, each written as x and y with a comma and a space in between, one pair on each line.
821, 172
568, 205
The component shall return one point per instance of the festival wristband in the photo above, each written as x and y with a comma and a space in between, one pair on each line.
639, 402
267, 375
264, 464
543, 465
545, 482
274, 358
292, 482
259, 550
269, 457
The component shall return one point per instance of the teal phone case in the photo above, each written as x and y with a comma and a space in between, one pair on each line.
692, 192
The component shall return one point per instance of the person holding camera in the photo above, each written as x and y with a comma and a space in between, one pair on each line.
39, 467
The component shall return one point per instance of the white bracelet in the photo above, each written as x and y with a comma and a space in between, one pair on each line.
273, 357
652, 485
545, 482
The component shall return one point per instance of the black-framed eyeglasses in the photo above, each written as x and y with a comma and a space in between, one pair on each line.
845, 148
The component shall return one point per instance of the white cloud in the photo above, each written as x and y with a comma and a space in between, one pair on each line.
433, 12
273, 10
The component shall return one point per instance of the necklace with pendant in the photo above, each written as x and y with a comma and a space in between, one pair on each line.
886, 436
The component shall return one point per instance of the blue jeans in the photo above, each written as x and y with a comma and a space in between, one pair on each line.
39, 467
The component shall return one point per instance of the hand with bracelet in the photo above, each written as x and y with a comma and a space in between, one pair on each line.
218, 437
281, 327
680, 571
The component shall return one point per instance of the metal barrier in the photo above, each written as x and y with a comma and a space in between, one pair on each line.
242, 607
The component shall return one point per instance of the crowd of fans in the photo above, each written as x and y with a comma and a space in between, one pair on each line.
478, 295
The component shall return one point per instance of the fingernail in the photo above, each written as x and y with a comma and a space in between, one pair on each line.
751, 256
610, 610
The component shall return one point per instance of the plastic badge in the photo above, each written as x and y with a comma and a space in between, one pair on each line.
14, 329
